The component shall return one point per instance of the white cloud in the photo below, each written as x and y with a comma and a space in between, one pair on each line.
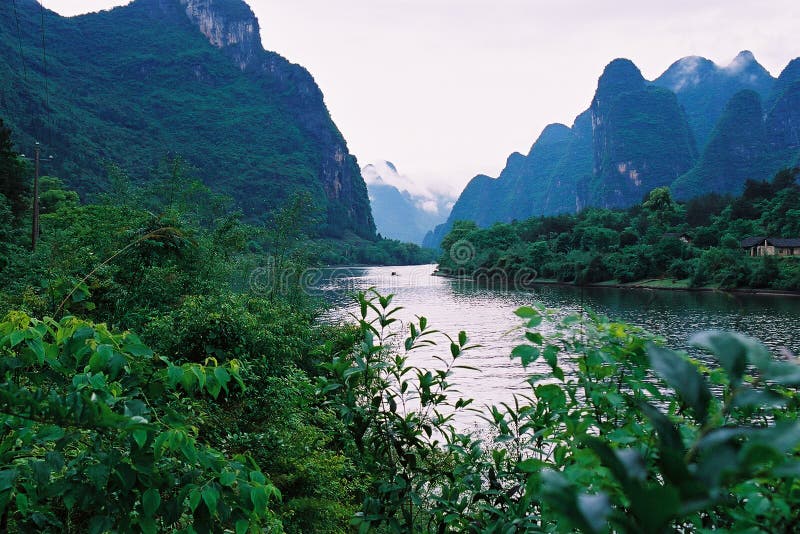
431, 206
424, 197
687, 73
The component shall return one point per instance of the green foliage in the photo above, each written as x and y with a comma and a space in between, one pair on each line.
14, 177
99, 436
399, 415
697, 242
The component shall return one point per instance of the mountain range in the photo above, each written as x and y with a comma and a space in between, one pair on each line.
698, 128
156, 78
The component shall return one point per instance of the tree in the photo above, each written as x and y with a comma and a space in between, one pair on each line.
13, 171
660, 205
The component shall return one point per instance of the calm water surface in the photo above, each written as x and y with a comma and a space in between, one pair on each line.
487, 317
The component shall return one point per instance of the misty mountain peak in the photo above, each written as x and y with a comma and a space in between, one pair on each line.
686, 73
742, 58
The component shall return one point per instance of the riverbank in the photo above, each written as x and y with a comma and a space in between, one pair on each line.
663, 284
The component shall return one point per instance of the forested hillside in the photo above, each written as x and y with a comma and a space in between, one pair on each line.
161, 78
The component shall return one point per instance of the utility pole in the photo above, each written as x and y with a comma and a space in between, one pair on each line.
35, 229
37, 168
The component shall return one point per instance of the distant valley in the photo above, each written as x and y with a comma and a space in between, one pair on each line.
399, 213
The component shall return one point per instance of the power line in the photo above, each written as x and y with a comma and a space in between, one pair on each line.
19, 38
46, 85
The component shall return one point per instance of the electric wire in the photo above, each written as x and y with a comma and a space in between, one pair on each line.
49, 122
19, 40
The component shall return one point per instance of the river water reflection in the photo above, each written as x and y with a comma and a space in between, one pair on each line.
487, 317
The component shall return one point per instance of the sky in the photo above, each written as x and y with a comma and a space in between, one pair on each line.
447, 89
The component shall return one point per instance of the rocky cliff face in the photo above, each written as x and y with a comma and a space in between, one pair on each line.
229, 25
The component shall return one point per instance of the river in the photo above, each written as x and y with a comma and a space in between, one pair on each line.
488, 317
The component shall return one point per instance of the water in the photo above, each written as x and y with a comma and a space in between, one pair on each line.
487, 317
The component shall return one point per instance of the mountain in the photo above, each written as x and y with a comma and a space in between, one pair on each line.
783, 115
399, 213
524, 187
704, 88
187, 77
697, 128
735, 152
641, 137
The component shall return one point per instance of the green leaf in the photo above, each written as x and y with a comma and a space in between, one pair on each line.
526, 312
227, 477
16, 337
174, 375
683, 377
260, 499
148, 525
242, 525
22, 503
37, 347
50, 433
135, 347
140, 437
730, 349
534, 322
668, 435
100, 524
222, 375
7, 478
151, 500
462, 338
552, 395
655, 507
531, 465
210, 495
526, 353
595, 509
194, 499
550, 355
534, 337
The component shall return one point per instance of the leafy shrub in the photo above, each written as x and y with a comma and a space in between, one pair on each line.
99, 436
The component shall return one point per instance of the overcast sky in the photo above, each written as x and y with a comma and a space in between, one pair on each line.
446, 89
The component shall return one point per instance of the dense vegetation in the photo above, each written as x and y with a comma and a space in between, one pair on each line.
641, 243
148, 384
208, 415
141, 82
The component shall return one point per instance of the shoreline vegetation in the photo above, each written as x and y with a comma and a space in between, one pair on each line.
665, 284
702, 244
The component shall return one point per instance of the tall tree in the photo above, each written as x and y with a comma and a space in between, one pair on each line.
13, 183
